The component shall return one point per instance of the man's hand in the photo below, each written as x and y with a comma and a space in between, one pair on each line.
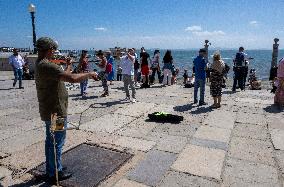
93, 75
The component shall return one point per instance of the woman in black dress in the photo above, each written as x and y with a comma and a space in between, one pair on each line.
216, 78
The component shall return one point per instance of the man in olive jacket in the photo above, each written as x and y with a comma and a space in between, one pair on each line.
53, 99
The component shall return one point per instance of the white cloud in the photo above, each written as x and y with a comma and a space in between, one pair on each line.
100, 29
198, 31
29, 36
208, 33
193, 28
254, 23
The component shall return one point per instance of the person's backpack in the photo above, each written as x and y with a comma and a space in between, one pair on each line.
240, 59
108, 67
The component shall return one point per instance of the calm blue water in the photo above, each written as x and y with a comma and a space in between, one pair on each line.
261, 62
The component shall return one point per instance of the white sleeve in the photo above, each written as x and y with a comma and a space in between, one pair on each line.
10, 60
23, 61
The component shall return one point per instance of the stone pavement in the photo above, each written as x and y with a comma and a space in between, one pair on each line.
240, 144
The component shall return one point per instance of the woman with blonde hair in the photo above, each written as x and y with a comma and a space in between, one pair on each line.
216, 78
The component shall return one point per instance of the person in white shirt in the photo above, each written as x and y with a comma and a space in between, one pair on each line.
17, 62
127, 64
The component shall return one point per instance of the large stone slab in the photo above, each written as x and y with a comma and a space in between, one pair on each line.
125, 183
213, 133
280, 160
221, 119
254, 101
138, 128
177, 179
209, 143
243, 173
8, 111
275, 122
172, 144
252, 150
107, 123
200, 161
135, 143
135, 110
4, 172
252, 131
277, 137
151, 170
22, 141
26, 158
257, 119
175, 129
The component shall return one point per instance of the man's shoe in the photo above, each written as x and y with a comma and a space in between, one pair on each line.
14, 84
195, 102
126, 99
62, 175
202, 103
21, 87
105, 94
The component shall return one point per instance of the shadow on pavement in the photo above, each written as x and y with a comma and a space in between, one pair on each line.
112, 103
229, 92
32, 182
201, 110
273, 109
184, 108
85, 98
6, 88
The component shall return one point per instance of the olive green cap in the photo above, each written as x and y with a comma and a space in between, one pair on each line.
45, 43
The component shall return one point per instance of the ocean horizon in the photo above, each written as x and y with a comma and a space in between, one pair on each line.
183, 59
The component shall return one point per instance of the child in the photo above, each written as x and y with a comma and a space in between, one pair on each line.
254, 83
119, 73
185, 76
190, 82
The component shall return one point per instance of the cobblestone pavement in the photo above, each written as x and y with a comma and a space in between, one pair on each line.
240, 144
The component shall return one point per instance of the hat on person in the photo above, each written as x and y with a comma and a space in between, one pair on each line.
45, 43
202, 50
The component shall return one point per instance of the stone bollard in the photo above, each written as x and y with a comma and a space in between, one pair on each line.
206, 45
273, 69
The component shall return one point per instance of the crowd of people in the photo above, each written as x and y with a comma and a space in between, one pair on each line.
53, 97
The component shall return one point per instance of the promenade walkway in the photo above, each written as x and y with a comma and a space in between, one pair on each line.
240, 144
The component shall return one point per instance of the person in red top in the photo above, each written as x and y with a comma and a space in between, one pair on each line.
144, 56
83, 67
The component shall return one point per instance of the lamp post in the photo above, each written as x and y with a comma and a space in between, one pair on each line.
32, 11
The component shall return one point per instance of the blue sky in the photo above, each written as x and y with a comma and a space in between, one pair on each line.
173, 24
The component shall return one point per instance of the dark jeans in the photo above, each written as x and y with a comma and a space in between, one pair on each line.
238, 79
49, 148
152, 78
199, 83
18, 73
83, 86
119, 76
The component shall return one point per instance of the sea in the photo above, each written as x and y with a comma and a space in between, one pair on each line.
183, 59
